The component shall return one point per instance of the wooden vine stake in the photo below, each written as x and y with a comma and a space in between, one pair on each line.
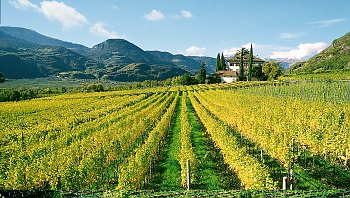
291, 172
188, 174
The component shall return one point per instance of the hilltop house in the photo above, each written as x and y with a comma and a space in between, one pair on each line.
232, 67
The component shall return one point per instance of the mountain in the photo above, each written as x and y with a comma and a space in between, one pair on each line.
189, 63
143, 71
286, 63
210, 63
40, 62
10, 43
336, 56
27, 54
39, 39
179, 60
123, 49
125, 61
23, 59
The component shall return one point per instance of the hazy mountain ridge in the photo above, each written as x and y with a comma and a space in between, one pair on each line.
39, 39
23, 59
25, 53
10, 43
189, 63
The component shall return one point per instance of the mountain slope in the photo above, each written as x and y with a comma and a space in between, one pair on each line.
179, 60
125, 61
123, 49
37, 38
23, 59
40, 62
336, 56
189, 63
210, 63
11, 43
144, 71
113, 59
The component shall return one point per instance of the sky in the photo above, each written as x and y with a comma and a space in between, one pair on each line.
292, 29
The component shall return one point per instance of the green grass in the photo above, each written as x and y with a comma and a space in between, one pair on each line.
167, 171
314, 172
212, 173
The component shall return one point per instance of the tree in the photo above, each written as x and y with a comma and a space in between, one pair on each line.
218, 62
257, 72
223, 63
272, 70
241, 67
244, 50
2, 78
202, 74
95, 88
250, 67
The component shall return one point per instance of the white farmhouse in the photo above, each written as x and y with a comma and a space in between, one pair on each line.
232, 67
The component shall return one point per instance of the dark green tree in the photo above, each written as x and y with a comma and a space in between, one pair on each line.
95, 88
250, 66
257, 72
241, 67
218, 62
223, 63
202, 74
244, 50
272, 70
2, 78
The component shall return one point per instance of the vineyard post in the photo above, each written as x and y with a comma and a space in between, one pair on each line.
291, 173
284, 186
188, 174
150, 168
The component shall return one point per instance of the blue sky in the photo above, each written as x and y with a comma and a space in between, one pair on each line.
277, 28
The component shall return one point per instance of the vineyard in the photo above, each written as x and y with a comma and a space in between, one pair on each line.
237, 139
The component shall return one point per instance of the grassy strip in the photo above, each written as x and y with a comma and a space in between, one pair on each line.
212, 173
166, 173
186, 151
250, 171
134, 173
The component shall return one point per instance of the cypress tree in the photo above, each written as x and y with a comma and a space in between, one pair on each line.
250, 67
241, 67
218, 62
223, 64
202, 74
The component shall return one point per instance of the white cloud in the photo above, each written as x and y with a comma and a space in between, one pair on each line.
58, 11
24, 4
330, 22
54, 11
304, 50
232, 51
154, 15
195, 51
286, 35
99, 29
261, 50
186, 14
